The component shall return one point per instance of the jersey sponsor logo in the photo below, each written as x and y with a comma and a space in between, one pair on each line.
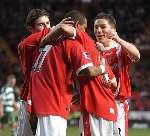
40, 59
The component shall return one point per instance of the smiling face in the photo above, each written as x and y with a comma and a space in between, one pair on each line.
101, 27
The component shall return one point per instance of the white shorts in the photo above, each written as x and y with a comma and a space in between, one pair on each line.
51, 126
121, 126
95, 126
23, 125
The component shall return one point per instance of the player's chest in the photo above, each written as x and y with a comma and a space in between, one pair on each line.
111, 56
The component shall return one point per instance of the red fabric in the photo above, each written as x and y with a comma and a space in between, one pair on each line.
125, 86
126, 109
119, 62
27, 50
112, 59
95, 97
49, 83
86, 123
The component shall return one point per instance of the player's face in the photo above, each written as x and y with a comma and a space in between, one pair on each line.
41, 23
101, 27
12, 82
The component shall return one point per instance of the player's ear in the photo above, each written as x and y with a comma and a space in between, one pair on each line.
113, 28
77, 24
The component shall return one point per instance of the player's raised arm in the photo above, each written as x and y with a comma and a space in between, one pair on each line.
130, 48
93, 71
64, 28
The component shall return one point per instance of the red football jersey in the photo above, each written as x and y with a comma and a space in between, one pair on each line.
96, 98
119, 62
27, 50
50, 90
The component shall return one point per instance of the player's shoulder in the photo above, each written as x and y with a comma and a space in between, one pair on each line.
84, 37
82, 34
21, 43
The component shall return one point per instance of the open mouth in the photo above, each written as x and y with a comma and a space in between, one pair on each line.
100, 36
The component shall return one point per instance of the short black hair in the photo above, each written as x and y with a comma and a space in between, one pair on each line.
108, 17
35, 14
76, 16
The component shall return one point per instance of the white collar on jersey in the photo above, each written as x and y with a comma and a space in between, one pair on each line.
112, 45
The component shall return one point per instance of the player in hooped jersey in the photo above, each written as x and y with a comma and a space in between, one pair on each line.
97, 101
120, 54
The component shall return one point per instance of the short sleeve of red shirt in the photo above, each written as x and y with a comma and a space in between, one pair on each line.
77, 56
88, 44
26, 48
126, 59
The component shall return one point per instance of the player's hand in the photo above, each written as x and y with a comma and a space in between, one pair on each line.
75, 99
16, 107
67, 21
112, 34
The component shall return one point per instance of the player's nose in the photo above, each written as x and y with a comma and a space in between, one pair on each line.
99, 30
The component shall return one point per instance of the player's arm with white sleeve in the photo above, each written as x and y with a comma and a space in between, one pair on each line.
91, 71
81, 61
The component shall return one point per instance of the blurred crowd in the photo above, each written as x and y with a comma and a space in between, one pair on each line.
141, 87
133, 24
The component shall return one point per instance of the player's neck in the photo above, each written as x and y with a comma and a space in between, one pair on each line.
109, 43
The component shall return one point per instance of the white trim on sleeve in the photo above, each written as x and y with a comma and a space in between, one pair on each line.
83, 67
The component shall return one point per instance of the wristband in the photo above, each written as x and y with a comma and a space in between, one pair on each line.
106, 77
102, 68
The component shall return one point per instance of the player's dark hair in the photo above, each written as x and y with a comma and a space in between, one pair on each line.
35, 14
111, 20
76, 16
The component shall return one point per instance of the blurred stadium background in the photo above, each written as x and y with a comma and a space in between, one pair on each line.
133, 21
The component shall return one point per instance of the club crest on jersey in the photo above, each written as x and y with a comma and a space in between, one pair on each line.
86, 55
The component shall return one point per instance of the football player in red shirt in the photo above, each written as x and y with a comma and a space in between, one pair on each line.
97, 100
44, 66
36, 21
50, 91
119, 54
